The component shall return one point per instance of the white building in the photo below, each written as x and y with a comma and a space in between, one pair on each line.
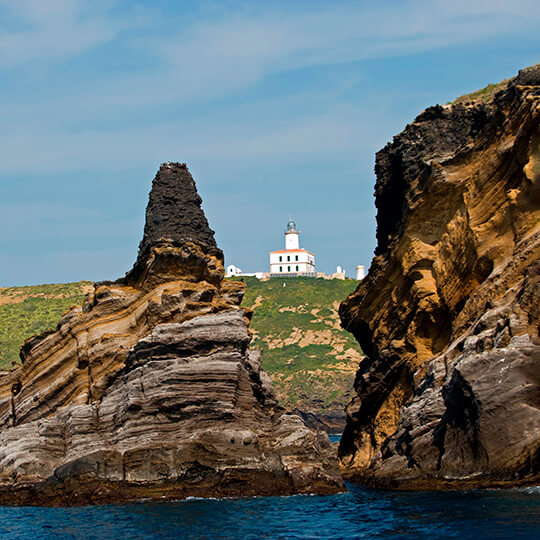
292, 261
360, 272
233, 271
338, 274
258, 275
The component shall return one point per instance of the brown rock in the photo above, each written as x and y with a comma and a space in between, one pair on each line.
149, 390
449, 312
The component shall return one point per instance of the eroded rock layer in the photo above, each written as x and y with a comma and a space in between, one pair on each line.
149, 389
448, 315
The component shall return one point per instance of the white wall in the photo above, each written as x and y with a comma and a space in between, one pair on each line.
304, 260
233, 271
292, 240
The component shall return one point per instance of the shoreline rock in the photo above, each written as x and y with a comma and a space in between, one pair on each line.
449, 394
149, 390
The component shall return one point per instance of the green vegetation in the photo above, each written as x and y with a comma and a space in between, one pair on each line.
483, 95
26, 311
310, 358
486, 94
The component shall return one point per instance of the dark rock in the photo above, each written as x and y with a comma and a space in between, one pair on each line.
332, 421
174, 218
448, 314
174, 211
150, 391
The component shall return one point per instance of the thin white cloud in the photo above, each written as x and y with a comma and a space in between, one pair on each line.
335, 132
53, 30
208, 60
220, 56
241, 49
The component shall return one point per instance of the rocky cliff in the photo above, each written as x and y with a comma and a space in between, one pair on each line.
449, 394
307, 354
149, 389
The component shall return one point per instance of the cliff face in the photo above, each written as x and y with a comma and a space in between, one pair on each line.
448, 315
150, 390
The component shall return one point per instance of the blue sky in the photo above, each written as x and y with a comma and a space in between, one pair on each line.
276, 107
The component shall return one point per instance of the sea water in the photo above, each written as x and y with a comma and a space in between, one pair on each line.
360, 513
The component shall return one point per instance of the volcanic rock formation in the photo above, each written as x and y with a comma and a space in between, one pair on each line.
449, 394
149, 389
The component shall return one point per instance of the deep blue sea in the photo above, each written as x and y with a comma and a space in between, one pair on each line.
361, 513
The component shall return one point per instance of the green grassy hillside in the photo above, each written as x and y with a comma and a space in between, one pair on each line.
26, 311
311, 360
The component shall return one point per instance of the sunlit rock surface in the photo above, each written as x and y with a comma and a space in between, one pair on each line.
149, 389
449, 394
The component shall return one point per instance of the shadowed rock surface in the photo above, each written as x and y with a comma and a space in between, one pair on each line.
449, 394
333, 421
149, 389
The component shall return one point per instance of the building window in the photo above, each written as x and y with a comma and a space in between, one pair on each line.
280, 258
288, 268
297, 268
288, 258
296, 258
281, 268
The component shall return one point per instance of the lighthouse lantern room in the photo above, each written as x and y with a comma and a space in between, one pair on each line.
292, 261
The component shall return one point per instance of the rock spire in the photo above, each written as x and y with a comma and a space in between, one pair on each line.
149, 390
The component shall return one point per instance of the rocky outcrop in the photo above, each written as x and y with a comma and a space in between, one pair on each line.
149, 390
449, 394
332, 420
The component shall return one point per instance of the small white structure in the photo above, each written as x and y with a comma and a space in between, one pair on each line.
292, 261
360, 272
233, 271
258, 275
339, 273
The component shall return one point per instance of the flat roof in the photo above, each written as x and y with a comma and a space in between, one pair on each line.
293, 251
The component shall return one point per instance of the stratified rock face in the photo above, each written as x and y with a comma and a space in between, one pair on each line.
149, 390
449, 312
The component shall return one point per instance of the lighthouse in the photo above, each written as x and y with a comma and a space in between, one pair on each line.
292, 237
292, 261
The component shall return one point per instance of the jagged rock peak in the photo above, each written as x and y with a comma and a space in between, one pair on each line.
175, 219
149, 390
174, 210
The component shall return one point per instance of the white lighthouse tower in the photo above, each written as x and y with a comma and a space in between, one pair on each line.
292, 261
292, 236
